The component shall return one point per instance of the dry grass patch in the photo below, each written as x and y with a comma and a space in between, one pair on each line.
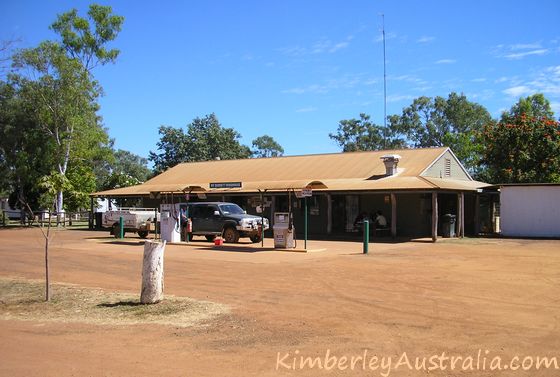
24, 300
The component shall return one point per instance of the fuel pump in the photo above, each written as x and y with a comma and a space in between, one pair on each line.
284, 229
174, 218
170, 222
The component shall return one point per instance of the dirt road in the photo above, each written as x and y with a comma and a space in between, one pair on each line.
477, 298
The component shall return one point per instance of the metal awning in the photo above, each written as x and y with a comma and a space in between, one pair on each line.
144, 189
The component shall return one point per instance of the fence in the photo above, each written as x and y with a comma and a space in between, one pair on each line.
42, 218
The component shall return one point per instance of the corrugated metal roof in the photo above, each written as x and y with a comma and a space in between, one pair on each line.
321, 166
333, 172
455, 184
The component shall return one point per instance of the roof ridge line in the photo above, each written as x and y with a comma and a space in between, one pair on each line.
312, 155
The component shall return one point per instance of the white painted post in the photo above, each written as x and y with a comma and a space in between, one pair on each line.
152, 272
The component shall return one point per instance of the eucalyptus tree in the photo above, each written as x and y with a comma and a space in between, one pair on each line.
57, 78
266, 146
203, 139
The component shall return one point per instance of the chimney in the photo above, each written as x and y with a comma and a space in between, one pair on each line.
391, 161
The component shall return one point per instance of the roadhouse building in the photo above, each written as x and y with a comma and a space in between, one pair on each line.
414, 189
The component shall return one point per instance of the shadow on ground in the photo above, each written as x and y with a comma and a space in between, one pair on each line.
120, 304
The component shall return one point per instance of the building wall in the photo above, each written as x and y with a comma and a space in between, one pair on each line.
447, 166
530, 211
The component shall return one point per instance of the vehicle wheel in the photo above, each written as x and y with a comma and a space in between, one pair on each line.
256, 238
210, 238
143, 233
116, 230
231, 235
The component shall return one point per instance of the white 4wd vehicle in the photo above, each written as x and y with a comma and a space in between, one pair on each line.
138, 220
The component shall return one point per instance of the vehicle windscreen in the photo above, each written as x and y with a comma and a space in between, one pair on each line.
231, 209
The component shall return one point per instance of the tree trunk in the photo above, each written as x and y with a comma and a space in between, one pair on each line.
22, 202
47, 280
60, 195
152, 272
59, 203
47, 236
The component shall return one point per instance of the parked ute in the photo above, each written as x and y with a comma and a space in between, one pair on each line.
228, 220
137, 220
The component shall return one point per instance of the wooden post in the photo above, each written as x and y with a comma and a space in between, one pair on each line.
305, 224
329, 213
458, 219
461, 215
91, 215
393, 215
152, 272
434, 216
477, 214
155, 224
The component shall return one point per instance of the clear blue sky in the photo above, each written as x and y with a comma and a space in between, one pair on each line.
293, 69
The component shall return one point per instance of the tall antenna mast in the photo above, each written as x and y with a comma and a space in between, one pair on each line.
384, 86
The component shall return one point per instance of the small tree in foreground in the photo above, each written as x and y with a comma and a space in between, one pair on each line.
52, 184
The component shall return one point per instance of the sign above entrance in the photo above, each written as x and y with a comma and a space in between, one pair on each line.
225, 185
304, 193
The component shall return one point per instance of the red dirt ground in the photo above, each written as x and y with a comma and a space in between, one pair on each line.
456, 296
